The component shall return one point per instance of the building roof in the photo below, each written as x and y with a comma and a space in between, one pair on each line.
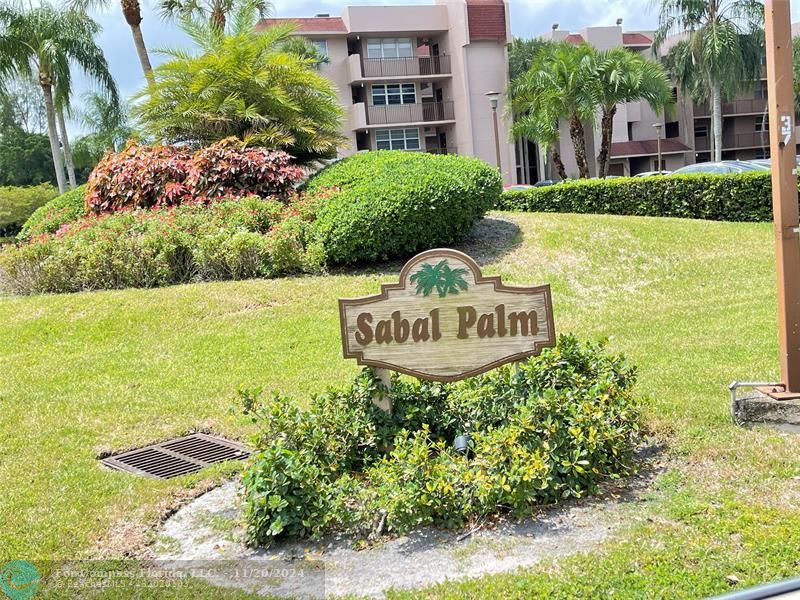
574, 38
486, 19
647, 148
636, 39
308, 24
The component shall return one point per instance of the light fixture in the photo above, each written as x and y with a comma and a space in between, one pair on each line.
494, 98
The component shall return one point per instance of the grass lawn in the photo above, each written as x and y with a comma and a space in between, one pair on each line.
691, 303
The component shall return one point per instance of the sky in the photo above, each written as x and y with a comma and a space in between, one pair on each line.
529, 18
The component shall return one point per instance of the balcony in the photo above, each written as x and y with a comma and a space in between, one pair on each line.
427, 112
747, 106
732, 141
415, 67
448, 150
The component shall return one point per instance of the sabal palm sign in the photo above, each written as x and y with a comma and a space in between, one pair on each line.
441, 278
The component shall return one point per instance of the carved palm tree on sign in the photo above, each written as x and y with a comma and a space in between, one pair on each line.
439, 277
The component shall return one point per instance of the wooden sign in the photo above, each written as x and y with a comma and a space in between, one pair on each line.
445, 321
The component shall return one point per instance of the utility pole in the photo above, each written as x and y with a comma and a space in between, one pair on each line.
784, 192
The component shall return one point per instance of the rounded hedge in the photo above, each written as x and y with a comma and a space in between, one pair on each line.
390, 204
62, 209
17, 203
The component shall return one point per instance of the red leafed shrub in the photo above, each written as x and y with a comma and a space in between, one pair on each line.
152, 176
227, 168
138, 177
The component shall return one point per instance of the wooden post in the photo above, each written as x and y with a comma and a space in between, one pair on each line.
383, 401
784, 190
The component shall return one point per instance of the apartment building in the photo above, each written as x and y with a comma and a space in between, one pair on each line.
416, 77
685, 129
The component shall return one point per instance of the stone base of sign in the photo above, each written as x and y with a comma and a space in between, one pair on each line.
756, 408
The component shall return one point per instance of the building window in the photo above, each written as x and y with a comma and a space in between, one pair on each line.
762, 153
394, 93
321, 46
672, 130
397, 139
700, 131
761, 90
762, 125
390, 48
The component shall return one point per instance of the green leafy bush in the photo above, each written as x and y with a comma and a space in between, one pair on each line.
62, 209
18, 203
389, 204
551, 430
146, 248
744, 197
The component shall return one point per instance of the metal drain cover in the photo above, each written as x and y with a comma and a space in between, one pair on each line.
177, 457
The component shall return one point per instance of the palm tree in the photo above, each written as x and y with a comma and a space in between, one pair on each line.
560, 84
721, 53
626, 76
106, 121
439, 277
40, 43
242, 84
132, 11
214, 11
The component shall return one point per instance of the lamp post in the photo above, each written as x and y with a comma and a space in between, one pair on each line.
658, 144
494, 99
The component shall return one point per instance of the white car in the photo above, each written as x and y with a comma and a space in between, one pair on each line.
726, 167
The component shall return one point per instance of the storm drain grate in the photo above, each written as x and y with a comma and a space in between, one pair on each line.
177, 457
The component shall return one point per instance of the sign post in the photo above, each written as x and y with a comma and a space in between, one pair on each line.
445, 321
784, 193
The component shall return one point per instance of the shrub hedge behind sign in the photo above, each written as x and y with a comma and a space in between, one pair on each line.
745, 197
387, 204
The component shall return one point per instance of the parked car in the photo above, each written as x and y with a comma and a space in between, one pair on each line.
725, 167
767, 162
517, 187
652, 173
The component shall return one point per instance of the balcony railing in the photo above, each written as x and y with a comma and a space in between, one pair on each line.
448, 150
425, 112
739, 107
402, 67
731, 141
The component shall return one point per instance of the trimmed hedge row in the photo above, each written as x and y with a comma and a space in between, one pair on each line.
18, 203
744, 197
390, 204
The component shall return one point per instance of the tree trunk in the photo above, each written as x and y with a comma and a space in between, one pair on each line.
62, 125
576, 134
47, 90
606, 133
716, 116
562, 172
133, 16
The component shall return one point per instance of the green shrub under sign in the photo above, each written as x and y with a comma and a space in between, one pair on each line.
744, 197
552, 430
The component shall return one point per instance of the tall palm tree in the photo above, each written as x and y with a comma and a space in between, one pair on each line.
242, 83
132, 12
720, 54
626, 76
214, 11
40, 43
560, 84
